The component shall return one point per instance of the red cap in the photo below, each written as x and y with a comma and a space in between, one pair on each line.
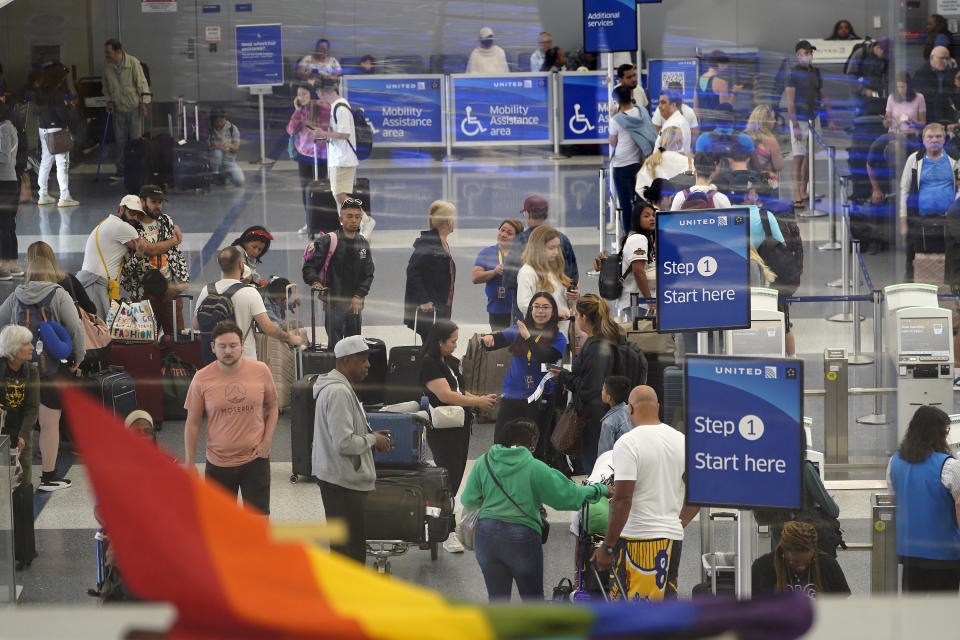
535, 204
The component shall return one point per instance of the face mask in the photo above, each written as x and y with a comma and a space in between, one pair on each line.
806, 59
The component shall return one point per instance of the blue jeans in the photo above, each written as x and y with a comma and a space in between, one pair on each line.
625, 184
508, 552
229, 166
341, 322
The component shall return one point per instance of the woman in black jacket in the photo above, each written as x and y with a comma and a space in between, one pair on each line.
590, 368
431, 272
53, 102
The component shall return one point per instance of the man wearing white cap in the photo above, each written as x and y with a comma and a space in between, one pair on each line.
343, 444
488, 57
108, 245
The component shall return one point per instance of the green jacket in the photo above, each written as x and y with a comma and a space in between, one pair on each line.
128, 89
529, 482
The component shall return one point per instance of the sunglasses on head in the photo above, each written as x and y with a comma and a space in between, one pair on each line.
352, 202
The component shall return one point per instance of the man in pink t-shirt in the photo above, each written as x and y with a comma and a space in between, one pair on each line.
240, 400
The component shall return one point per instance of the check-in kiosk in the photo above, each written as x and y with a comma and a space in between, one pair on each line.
953, 436
921, 336
766, 334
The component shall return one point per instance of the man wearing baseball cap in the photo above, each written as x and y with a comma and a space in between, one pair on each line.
805, 96
488, 57
343, 444
535, 209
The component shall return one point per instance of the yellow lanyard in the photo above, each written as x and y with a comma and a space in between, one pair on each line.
499, 256
529, 355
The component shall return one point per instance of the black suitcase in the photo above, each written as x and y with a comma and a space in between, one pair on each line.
403, 370
24, 538
435, 483
371, 390
671, 401
116, 390
134, 163
302, 409
191, 164
361, 191
314, 359
396, 510
323, 214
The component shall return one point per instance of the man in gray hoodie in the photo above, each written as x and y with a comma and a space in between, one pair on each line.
343, 444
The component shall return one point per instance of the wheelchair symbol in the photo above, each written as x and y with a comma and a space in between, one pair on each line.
475, 126
373, 129
583, 125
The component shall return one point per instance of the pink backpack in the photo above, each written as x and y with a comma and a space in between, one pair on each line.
312, 248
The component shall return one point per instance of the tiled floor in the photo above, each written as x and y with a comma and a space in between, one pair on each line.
486, 189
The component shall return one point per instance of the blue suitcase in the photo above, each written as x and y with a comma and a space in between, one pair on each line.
409, 440
116, 390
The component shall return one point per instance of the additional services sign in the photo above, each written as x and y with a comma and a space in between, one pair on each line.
703, 260
490, 110
609, 25
662, 73
586, 112
259, 54
744, 421
403, 111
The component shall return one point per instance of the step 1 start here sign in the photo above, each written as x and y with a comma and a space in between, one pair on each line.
744, 426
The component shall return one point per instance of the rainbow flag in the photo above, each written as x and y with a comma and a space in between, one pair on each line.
179, 539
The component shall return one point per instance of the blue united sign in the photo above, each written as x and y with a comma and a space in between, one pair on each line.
703, 279
403, 111
513, 109
586, 112
259, 54
662, 73
744, 421
609, 25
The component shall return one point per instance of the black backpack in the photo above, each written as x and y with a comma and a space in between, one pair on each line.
631, 362
780, 258
611, 276
854, 64
361, 129
214, 309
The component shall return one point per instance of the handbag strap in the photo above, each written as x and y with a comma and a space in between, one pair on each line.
500, 486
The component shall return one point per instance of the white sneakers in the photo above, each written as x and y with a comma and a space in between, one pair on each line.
46, 199
64, 202
68, 202
453, 544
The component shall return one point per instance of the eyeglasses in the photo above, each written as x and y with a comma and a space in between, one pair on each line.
542, 307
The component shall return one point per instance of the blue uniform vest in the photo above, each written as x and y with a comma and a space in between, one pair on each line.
926, 520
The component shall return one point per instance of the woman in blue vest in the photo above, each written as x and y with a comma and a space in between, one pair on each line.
926, 480
488, 270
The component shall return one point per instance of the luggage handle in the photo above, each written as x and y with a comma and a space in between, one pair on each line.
188, 314
316, 170
313, 314
416, 313
616, 577
289, 291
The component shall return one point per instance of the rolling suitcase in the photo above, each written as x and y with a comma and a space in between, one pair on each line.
483, 373
302, 409
409, 440
403, 370
371, 390
396, 510
315, 359
323, 214
671, 402
134, 164
280, 358
435, 483
24, 537
117, 391
191, 166
144, 363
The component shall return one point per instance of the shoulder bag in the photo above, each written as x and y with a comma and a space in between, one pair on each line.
59, 141
567, 436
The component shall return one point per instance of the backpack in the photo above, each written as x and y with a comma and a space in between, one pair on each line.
781, 259
854, 64
216, 308
32, 316
611, 276
361, 129
311, 250
698, 199
631, 362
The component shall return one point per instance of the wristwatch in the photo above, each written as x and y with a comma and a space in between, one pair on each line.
607, 549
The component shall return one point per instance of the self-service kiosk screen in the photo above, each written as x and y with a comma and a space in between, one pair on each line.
763, 338
924, 335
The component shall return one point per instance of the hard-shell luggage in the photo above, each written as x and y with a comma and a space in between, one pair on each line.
191, 163
928, 268
435, 482
302, 410
24, 537
144, 362
403, 374
671, 401
372, 389
315, 359
483, 373
409, 440
396, 510
323, 214
280, 358
117, 390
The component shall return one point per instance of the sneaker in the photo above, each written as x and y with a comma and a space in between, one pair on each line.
5, 275
54, 484
117, 177
68, 202
46, 199
453, 544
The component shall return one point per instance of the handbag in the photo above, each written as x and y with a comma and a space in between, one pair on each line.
58, 141
567, 436
467, 531
132, 321
544, 524
447, 417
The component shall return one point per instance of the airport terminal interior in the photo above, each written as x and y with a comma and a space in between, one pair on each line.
870, 355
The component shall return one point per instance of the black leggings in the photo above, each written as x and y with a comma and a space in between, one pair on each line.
450, 448
9, 203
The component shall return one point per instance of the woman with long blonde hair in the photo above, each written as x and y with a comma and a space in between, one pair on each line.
766, 156
666, 161
542, 269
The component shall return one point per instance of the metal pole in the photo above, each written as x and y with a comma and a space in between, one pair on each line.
857, 357
557, 117
602, 208
745, 533
845, 315
811, 212
263, 131
878, 416
706, 531
833, 245
450, 119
